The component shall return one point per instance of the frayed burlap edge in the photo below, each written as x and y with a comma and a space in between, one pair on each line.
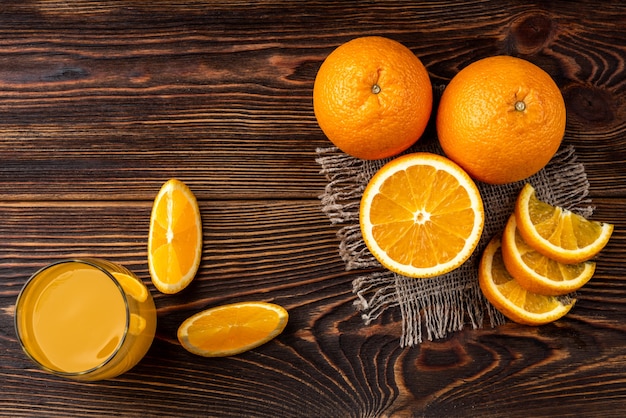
434, 307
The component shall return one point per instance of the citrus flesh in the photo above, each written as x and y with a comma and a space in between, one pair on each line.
372, 97
175, 237
538, 273
556, 232
501, 118
421, 215
232, 329
506, 294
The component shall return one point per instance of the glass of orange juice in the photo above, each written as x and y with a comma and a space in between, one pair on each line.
85, 319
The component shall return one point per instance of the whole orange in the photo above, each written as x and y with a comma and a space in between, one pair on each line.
501, 118
372, 97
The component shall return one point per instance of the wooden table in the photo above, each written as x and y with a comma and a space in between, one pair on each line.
101, 102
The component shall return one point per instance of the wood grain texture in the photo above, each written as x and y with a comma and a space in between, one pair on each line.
101, 102
134, 94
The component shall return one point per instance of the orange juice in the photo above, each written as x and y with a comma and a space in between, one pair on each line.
85, 319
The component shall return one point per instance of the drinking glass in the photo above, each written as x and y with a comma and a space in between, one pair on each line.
85, 319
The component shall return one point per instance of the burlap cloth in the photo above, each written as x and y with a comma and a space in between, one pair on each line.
444, 304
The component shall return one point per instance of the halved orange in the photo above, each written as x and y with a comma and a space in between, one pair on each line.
536, 272
231, 329
515, 302
175, 237
421, 215
556, 232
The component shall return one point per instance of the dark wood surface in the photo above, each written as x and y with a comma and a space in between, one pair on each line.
101, 102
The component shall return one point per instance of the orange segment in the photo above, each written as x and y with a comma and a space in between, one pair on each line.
556, 232
232, 329
421, 215
515, 302
175, 237
538, 273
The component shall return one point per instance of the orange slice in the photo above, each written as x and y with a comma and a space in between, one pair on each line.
232, 329
515, 302
556, 232
175, 238
538, 273
421, 215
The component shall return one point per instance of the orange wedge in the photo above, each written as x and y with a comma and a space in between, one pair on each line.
556, 232
515, 302
232, 329
175, 238
421, 215
538, 273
